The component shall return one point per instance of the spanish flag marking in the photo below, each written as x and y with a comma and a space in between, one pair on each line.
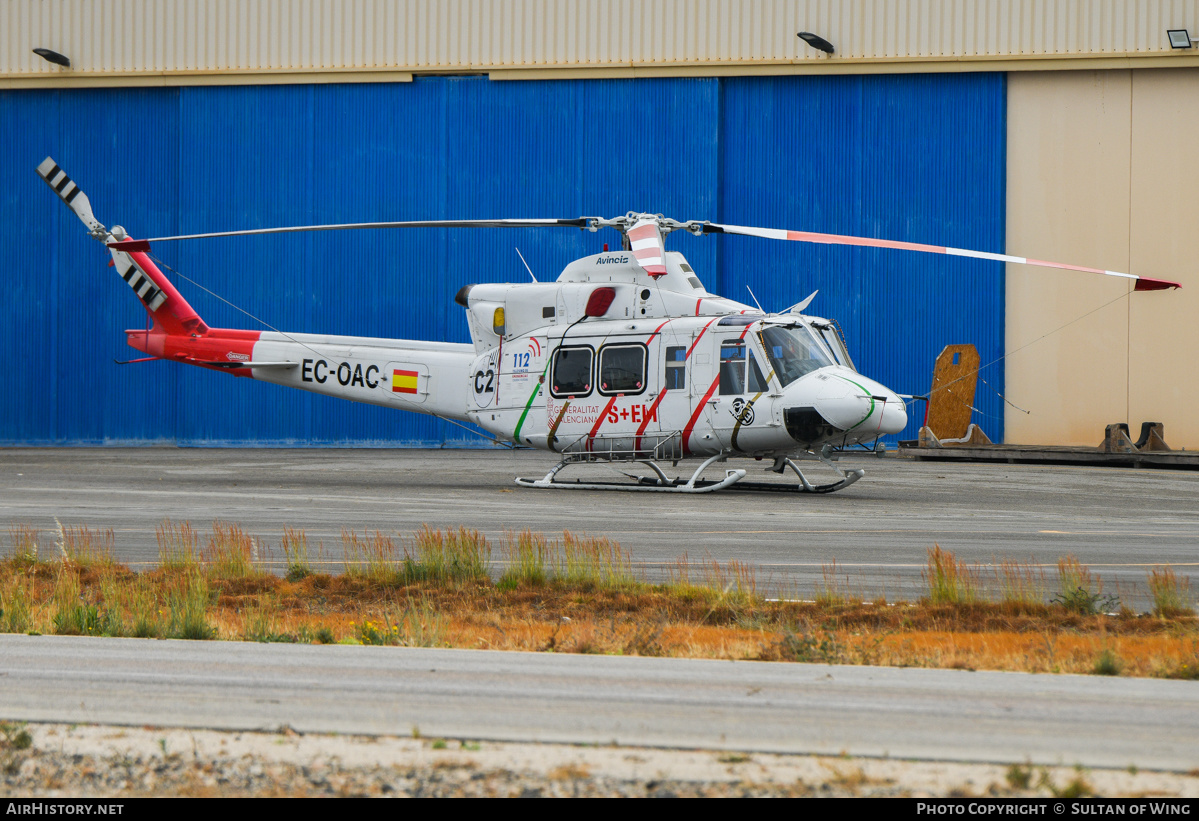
403, 381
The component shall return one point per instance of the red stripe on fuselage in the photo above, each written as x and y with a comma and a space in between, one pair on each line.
655, 333
695, 416
600, 421
653, 409
697, 339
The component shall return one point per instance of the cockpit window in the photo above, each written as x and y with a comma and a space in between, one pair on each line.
793, 351
832, 338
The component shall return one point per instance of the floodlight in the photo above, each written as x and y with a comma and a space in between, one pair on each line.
1179, 38
816, 41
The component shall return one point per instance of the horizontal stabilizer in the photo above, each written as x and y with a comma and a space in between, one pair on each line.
131, 245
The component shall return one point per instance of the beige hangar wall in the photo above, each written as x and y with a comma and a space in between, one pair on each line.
1101, 173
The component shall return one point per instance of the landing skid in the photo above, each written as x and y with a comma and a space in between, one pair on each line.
661, 483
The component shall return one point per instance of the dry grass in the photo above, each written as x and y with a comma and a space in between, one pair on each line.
178, 545
84, 547
582, 594
297, 554
835, 591
1021, 585
231, 553
23, 545
1171, 595
1080, 592
950, 581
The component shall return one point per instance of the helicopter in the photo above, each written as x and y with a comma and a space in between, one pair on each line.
625, 358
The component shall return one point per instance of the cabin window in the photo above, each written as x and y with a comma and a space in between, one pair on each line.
732, 367
570, 371
676, 368
622, 369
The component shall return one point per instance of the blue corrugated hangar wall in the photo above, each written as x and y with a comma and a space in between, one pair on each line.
911, 157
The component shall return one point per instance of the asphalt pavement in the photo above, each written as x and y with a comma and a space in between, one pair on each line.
1119, 521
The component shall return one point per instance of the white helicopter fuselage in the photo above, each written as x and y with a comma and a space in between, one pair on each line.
664, 371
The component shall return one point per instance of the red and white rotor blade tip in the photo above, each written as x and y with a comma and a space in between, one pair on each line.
1141, 283
645, 240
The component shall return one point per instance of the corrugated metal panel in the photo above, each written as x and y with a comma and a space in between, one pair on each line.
162, 37
912, 157
915, 157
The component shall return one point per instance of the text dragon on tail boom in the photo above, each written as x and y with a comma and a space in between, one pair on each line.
625, 358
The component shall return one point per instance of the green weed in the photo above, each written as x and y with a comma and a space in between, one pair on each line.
1021, 584
187, 601
1078, 592
453, 555
736, 582
371, 557
803, 647
949, 581
16, 608
527, 554
142, 603
1107, 663
260, 622
23, 552
84, 547
295, 551
178, 546
231, 552
832, 591
413, 624
1171, 595
1019, 776
593, 561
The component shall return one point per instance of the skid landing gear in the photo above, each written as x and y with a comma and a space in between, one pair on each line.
661, 483
848, 477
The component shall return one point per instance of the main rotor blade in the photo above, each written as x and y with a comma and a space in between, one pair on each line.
645, 240
581, 222
1142, 283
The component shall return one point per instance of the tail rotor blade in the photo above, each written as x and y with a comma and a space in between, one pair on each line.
1141, 283
71, 194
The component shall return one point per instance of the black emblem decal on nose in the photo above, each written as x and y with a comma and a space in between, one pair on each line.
743, 411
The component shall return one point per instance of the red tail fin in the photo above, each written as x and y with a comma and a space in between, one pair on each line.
167, 307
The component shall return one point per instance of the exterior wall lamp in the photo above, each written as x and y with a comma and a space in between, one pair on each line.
1180, 38
816, 41
53, 57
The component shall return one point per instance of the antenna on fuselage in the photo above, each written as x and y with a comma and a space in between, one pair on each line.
755, 298
527, 268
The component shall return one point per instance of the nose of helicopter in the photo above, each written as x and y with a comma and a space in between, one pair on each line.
836, 401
